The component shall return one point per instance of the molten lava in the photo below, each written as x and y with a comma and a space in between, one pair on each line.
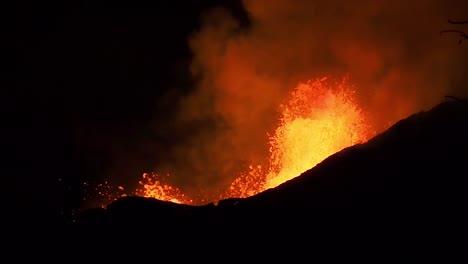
316, 121
155, 188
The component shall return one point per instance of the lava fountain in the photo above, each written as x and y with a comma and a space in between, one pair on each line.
317, 120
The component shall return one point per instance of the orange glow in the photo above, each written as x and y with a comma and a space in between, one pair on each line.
316, 121
152, 186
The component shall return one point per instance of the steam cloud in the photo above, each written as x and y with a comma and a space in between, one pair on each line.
392, 50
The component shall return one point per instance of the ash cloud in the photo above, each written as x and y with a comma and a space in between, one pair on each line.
396, 58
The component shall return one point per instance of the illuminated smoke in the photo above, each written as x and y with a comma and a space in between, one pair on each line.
391, 49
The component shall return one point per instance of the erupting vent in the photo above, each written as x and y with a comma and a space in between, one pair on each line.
316, 121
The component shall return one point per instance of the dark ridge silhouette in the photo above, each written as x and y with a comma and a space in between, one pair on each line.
419, 165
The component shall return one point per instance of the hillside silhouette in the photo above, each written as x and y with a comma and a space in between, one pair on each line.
417, 166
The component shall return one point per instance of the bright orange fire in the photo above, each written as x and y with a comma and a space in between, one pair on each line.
154, 187
316, 121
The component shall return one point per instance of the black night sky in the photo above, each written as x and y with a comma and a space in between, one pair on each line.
97, 83
88, 75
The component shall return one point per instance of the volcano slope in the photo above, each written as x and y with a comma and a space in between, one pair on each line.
419, 165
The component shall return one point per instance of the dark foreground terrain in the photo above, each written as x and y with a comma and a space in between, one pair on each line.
414, 171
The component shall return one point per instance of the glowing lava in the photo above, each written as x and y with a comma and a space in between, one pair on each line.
316, 121
152, 186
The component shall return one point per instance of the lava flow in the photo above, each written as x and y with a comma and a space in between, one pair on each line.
316, 121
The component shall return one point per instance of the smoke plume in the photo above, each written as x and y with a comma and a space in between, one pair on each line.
392, 51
